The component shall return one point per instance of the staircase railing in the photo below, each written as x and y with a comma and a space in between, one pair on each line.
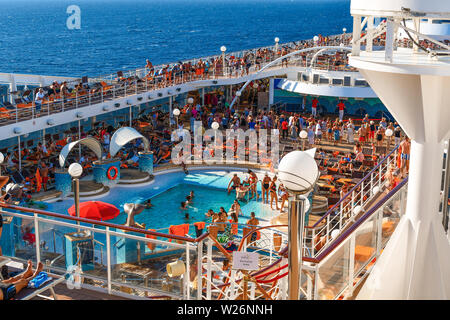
348, 208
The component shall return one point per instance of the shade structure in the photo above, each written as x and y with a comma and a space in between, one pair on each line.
96, 210
89, 142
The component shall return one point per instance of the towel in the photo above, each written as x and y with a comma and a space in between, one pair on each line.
39, 280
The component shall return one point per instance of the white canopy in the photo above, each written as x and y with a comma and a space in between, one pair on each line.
124, 135
89, 142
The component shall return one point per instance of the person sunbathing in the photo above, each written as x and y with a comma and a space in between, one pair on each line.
12, 286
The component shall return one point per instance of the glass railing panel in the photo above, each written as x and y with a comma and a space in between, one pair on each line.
392, 212
333, 273
365, 244
19, 237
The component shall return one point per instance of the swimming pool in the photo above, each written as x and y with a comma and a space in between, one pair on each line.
168, 191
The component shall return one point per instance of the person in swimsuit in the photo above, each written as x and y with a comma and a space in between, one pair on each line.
234, 183
235, 208
253, 185
284, 196
12, 286
265, 188
253, 222
379, 136
273, 193
405, 149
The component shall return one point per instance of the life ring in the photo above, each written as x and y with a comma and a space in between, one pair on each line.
110, 177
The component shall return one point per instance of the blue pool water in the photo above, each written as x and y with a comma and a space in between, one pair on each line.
121, 34
169, 190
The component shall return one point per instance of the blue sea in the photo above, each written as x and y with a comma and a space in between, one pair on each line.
121, 34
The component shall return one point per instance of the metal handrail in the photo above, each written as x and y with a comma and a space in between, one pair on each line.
336, 242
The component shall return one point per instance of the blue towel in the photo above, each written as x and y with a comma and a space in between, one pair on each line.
40, 279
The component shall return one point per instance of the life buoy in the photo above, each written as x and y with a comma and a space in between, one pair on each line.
116, 172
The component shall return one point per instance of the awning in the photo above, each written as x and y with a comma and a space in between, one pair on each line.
124, 135
89, 142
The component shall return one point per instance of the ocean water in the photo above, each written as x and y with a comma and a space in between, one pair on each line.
121, 34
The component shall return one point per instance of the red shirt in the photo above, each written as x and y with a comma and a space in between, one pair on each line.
284, 125
341, 106
314, 103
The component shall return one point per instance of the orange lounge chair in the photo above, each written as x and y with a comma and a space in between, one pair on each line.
151, 245
179, 230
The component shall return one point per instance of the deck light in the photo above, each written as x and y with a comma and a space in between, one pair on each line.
190, 100
223, 48
298, 172
76, 170
303, 135
344, 30
277, 39
50, 122
2, 157
215, 125
176, 112
238, 94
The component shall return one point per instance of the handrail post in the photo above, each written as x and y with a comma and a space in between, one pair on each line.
186, 277
38, 242
108, 258
351, 264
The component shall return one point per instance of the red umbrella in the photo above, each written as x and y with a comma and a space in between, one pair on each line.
96, 210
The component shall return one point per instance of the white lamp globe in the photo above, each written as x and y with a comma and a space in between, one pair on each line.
75, 170
316, 38
238, 94
341, 45
277, 39
190, 100
389, 133
2, 157
255, 85
176, 112
215, 125
223, 48
298, 171
303, 134
344, 30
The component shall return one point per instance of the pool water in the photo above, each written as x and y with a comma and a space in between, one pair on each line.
167, 193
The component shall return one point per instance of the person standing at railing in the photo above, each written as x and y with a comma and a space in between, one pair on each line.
315, 102
341, 107
404, 149
253, 222
38, 100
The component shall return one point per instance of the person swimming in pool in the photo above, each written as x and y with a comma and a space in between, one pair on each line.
183, 206
210, 213
188, 200
148, 203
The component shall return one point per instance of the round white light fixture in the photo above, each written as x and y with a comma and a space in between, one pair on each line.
75, 170
2, 157
342, 45
389, 133
176, 112
303, 134
215, 125
50, 122
375, 190
238, 94
223, 48
344, 30
277, 39
316, 38
17, 130
255, 85
298, 171
190, 100
79, 115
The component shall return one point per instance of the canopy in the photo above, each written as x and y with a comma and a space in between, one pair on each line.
96, 210
89, 142
124, 135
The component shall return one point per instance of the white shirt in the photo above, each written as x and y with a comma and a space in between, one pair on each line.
318, 129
